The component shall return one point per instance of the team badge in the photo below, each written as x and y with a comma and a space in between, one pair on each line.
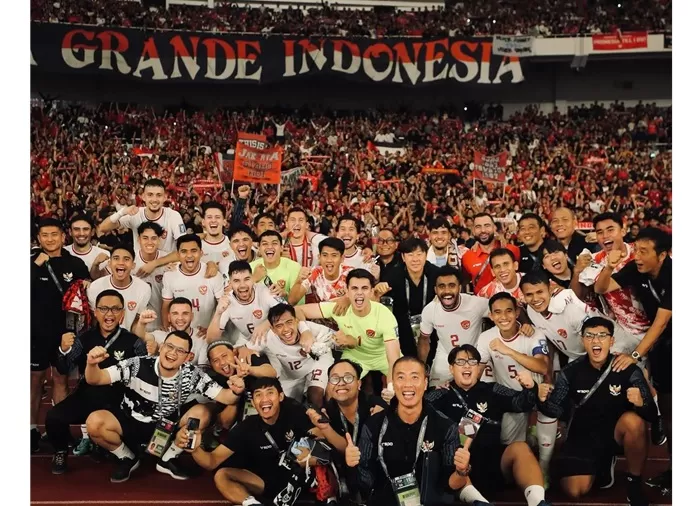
68, 277
427, 446
118, 355
203, 289
258, 314
466, 324
482, 406
159, 278
615, 390
224, 254
562, 333
131, 305
289, 436
370, 333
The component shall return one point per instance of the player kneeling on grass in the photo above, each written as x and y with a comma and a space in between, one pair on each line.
493, 463
154, 397
271, 452
610, 409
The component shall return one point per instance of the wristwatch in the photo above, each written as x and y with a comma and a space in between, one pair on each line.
466, 473
637, 356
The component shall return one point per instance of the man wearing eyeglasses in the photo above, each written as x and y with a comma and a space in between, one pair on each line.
494, 464
387, 244
611, 408
120, 343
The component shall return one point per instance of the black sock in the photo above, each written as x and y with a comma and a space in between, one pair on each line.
634, 479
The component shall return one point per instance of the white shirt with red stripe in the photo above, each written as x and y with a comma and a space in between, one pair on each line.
202, 292
136, 296
169, 219
216, 252
306, 254
155, 280
324, 288
496, 286
620, 304
88, 257
247, 316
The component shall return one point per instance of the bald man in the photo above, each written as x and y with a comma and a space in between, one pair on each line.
563, 225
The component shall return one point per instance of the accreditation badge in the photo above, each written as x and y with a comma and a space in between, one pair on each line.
406, 490
161, 438
415, 325
248, 408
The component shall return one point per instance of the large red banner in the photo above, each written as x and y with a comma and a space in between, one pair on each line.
490, 168
256, 165
617, 41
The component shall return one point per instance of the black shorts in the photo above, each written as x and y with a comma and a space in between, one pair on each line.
585, 456
486, 472
134, 433
43, 352
660, 365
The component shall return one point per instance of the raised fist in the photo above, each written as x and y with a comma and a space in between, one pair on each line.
97, 355
67, 341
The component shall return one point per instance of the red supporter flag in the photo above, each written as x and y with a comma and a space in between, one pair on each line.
255, 165
490, 167
619, 40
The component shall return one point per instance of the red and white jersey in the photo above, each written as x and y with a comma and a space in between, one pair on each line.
496, 286
620, 304
216, 252
246, 317
202, 292
89, 257
169, 219
199, 345
155, 280
505, 369
306, 254
136, 296
325, 289
356, 261
458, 326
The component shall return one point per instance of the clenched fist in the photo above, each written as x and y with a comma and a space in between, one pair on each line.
97, 355
544, 390
304, 274
614, 258
67, 341
583, 262
525, 379
224, 303
148, 316
634, 396
41, 259
236, 384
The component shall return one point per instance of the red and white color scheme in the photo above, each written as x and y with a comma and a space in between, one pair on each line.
202, 292
169, 219
89, 256
326, 289
247, 316
136, 296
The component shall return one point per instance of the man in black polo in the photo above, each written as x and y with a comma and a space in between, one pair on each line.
53, 271
563, 225
650, 277
74, 409
387, 246
531, 232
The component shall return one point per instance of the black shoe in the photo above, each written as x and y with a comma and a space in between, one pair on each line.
35, 438
124, 469
99, 454
59, 464
606, 475
662, 481
635, 496
170, 467
658, 436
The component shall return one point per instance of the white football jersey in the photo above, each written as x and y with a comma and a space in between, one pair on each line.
89, 257
245, 317
505, 368
216, 252
307, 254
356, 260
136, 296
202, 292
155, 280
454, 327
199, 345
169, 219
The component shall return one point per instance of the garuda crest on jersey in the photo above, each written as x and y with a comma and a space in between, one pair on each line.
482, 406
118, 355
615, 390
427, 446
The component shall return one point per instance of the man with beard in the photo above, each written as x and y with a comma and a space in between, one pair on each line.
555, 262
190, 281
301, 375
302, 244
136, 292
156, 388
442, 250
457, 319
242, 245
81, 230
85, 399
409, 448
610, 417
563, 225
131, 217
215, 245
531, 232
475, 261
348, 230
53, 271
256, 445
327, 280
279, 273
149, 234
387, 244
494, 464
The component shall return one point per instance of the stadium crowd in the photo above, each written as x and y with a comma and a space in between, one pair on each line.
482, 17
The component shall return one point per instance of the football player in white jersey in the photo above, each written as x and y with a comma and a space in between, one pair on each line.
215, 245
327, 281
136, 292
149, 239
81, 230
302, 244
300, 374
348, 230
246, 307
511, 352
241, 246
457, 319
132, 216
189, 281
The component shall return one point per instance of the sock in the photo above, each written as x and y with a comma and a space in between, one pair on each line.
469, 494
83, 429
546, 437
656, 403
33, 427
123, 452
250, 500
172, 452
534, 494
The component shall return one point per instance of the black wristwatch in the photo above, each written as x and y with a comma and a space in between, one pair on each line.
637, 356
466, 473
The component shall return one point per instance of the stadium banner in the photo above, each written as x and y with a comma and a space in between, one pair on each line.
181, 57
224, 167
618, 41
490, 167
513, 45
255, 165
667, 40
253, 140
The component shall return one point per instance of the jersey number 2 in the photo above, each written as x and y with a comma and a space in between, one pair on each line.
454, 339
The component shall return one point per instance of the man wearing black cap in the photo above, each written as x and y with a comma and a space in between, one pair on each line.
53, 271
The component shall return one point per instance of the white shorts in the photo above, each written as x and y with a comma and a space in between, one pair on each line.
514, 427
296, 388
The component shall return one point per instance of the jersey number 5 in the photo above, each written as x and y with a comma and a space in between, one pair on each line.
512, 372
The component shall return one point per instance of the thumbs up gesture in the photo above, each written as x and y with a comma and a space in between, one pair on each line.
352, 453
462, 457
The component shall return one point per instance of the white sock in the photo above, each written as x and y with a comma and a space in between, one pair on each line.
656, 403
172, 452
83, 429
546, 437
534, 494
123, 452
250, 500
32, 426
469, 494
